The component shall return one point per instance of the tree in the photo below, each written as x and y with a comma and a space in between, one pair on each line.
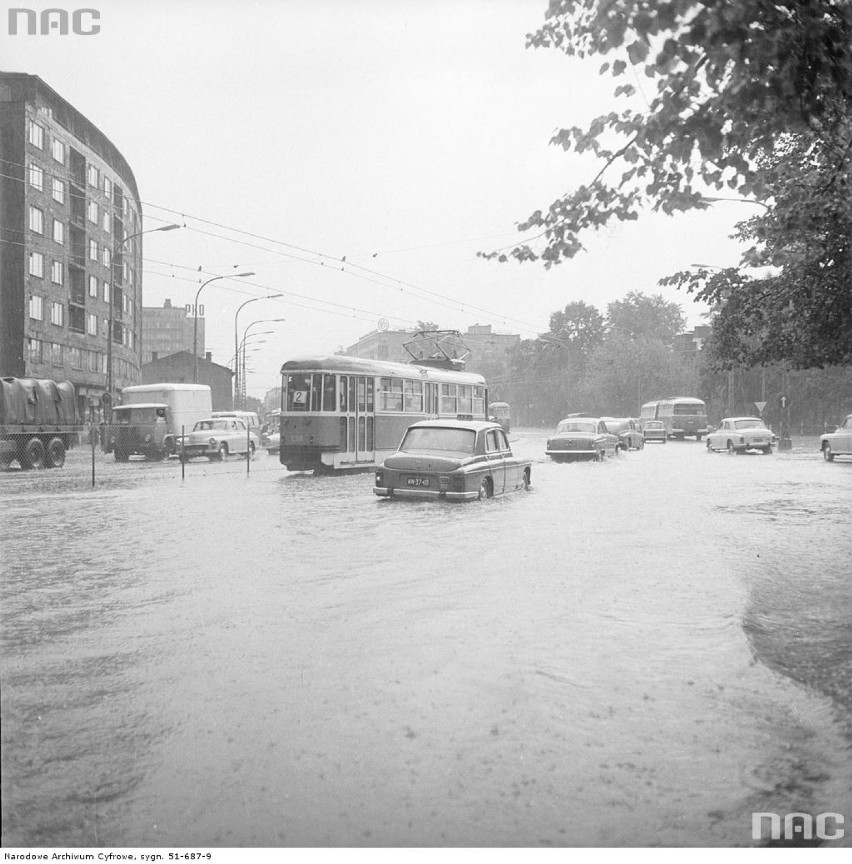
741, 90
641, 317
579, 326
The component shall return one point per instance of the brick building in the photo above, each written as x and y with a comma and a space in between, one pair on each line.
167, 330
70, 250
179, 368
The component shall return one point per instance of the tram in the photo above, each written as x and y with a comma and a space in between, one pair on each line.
341, 413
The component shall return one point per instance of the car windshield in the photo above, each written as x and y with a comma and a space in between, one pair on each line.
428, 439
124, 416
653, 424
207, 425
616, 426
576, 426
749, 423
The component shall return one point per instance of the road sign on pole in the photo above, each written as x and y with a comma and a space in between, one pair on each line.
760, 407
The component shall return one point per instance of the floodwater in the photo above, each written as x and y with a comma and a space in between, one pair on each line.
640, 652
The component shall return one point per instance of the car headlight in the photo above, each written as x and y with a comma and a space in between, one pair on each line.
380, 478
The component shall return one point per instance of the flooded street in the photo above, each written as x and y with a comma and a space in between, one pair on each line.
639, 652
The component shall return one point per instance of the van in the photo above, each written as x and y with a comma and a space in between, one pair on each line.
151, 416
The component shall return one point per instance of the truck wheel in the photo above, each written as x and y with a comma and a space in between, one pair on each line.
55, 454
33, 454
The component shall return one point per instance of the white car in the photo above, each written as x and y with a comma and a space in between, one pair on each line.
838, 443
738, 434
217, 438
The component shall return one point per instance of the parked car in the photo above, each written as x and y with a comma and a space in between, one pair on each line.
655, 430
738, 434
630, 438
454, 459
250, 418
839, 442
217, 438
581, 438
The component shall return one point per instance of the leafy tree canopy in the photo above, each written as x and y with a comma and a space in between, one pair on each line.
639, 316
750, 98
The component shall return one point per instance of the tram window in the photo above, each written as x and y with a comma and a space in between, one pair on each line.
413, 391
329, 391
465, 399
362, 433
390, 396
370, 404
351, 446
298, 392
351, 396
342, 388
343, 433
362, 394
316, 393
449, 399
369, 433
479, 401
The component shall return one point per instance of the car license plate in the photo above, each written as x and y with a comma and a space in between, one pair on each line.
418, 481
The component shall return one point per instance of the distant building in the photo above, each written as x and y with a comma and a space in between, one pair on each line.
70, 250
692, 341
179, 368
167, 330
486, 347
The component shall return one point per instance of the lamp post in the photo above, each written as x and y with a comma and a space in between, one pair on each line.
195, 318
117, 250
237, 381
242, 393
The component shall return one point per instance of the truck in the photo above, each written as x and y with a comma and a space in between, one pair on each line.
149, 420
38, 422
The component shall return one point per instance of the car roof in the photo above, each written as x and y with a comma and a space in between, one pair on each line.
581, 417
744, 417
474, 425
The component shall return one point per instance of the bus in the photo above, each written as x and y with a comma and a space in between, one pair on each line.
343, 413
500, 413
682, 416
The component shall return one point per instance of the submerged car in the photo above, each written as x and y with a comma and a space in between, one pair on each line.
629, 437
454, 459
582, 438
837, 443
655, 430
217, 438
739, 434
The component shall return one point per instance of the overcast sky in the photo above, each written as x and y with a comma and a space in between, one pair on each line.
405, 136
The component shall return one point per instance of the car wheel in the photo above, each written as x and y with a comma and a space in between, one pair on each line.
222, 453
525, 480
33, 455
827, 454
484, 489
731, 450
55, 454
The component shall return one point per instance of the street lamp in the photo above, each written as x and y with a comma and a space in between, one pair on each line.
195, 318
111, 323
242, 394
237, 382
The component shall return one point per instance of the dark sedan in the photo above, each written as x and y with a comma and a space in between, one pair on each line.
454, 459
581, 438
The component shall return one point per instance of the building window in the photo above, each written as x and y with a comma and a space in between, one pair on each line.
92, 212
57, 150
75, 358
57, 273
92, 176
106, 256
35, 133
93, 286
34, 350
56, 354
93, 361
106, 292
106, 220
93, 250
36, 308
57, 313
58, 190
36, 220
108, 188
58, 231
37, 264
92, 325
36, 176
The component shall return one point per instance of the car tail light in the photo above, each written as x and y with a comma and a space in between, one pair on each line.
444, 482
379, 478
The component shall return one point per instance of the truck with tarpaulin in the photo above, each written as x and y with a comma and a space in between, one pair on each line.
38, 422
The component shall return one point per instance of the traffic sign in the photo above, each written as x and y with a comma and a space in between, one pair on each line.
760, 407
783, 401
